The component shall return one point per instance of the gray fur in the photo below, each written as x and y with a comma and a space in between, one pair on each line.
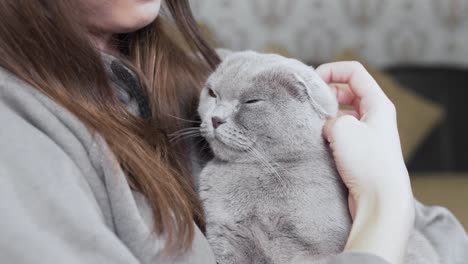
272, 193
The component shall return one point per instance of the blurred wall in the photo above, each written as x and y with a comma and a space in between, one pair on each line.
384, 32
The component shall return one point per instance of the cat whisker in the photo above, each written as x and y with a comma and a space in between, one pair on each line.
265, 163
175, 140
183, 134
268, 165
183, 119
187, 129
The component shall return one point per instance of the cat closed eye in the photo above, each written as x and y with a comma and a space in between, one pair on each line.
253, 101
211, 93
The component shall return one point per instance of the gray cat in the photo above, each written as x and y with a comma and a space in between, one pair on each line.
272, 193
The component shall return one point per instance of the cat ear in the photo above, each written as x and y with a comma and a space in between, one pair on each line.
311, 89
291, 83
318, 94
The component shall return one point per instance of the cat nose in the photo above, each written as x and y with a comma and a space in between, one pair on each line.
216, 121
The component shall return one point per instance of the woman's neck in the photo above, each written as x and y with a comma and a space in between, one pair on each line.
104, 42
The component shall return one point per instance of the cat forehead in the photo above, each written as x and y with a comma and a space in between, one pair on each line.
251, 61
242, 70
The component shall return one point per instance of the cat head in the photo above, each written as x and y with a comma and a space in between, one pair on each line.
263, 103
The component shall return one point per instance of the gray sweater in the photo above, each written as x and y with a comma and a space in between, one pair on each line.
65, 199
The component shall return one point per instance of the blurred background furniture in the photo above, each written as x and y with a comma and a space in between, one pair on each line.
446, 148
439, 165
416, 49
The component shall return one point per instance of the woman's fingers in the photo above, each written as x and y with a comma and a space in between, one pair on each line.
327, 129
362, 92
368, 158
344, 94
346, 97
348, 122
349, 112
352, 73
356, 76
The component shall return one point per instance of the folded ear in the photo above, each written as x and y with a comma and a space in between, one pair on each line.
311, 89
320, 95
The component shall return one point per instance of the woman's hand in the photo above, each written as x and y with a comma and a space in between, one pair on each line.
367, 152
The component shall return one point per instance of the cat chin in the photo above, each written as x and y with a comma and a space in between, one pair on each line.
226, 152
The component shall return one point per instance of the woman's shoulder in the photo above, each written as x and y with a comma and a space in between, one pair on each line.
10, 84
16, 93
33, 124
20, 101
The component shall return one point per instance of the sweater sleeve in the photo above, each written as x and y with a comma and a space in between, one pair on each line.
49, 213
354, 257
438, 225
444, 232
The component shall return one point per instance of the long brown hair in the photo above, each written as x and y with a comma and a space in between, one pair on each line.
44, 43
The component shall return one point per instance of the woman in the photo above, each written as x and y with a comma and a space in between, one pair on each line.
88, 174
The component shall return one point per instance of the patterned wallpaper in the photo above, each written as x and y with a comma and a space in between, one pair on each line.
384, 32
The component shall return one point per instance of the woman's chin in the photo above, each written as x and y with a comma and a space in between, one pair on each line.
142, 15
